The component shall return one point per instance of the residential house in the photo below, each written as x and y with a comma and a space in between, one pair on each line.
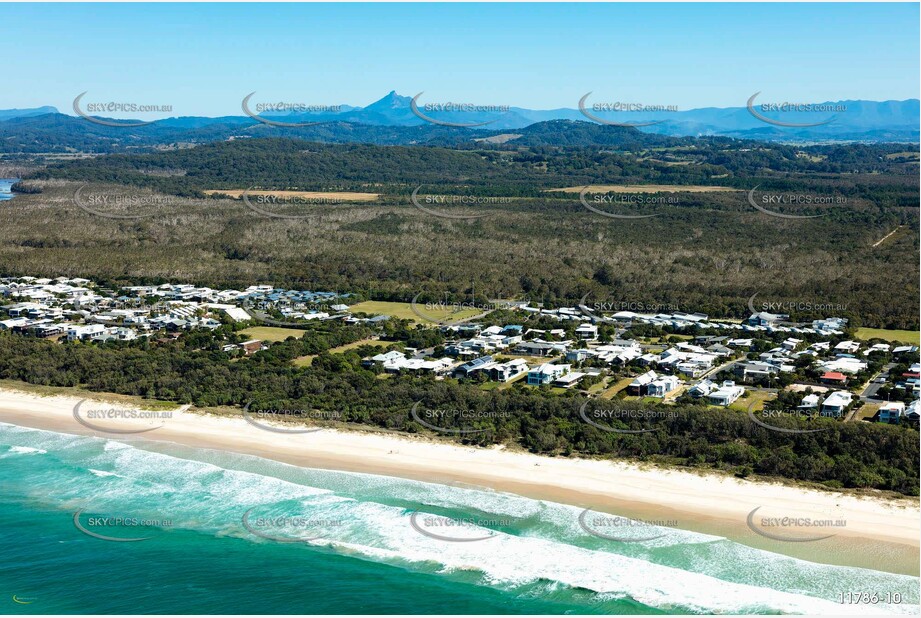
726, 394
506, 372
809, 402
891, 412
569, 380
251, 347
836, 403
547, 373
587, 332
662, 386
764, 318
702, 389
833, 377
754, 370
482, 363
640, 384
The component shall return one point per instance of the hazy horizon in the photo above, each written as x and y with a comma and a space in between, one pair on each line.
202, 59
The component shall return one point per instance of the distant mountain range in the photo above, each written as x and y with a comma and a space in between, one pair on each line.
394, 120
6, 114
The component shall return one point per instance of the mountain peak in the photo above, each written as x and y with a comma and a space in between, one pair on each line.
390, 101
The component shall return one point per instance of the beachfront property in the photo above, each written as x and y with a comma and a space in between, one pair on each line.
836, 404
662, 386
483, 363
891, 412
547, 373
809, 403
702, 389
640, 384
395, 361
726, 394
569, 380
78, 309
509, 371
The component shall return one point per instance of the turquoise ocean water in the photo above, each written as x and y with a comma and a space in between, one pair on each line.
374, 544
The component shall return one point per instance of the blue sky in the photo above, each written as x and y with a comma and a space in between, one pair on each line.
203, 58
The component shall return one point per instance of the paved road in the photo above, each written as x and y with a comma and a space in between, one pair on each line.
869, 391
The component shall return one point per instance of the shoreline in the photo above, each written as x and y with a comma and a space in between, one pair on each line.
878, 534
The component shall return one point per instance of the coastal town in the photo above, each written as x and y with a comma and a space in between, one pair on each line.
814, 368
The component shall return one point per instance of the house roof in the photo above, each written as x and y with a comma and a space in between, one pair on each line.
833, 375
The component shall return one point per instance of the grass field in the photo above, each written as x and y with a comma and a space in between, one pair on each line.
305, 361
750, 396
616, 388
404, 311
344, 196
271, 333
906, 336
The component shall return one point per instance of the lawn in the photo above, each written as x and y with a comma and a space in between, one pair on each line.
305, 361
905, 336
271, 333
619, 386
751, 396
404, 311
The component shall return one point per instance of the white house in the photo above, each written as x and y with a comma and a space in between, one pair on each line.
84, 332
809, 402
848, 346
506, 372
587, 332
569, 380
547, 373
702, 389
726, 394
662, 386
836, 403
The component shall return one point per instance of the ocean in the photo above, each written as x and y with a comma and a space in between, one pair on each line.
204, 532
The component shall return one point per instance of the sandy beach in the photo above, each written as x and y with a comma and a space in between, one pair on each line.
869, 532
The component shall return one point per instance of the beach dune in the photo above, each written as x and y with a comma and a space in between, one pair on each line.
863, 531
